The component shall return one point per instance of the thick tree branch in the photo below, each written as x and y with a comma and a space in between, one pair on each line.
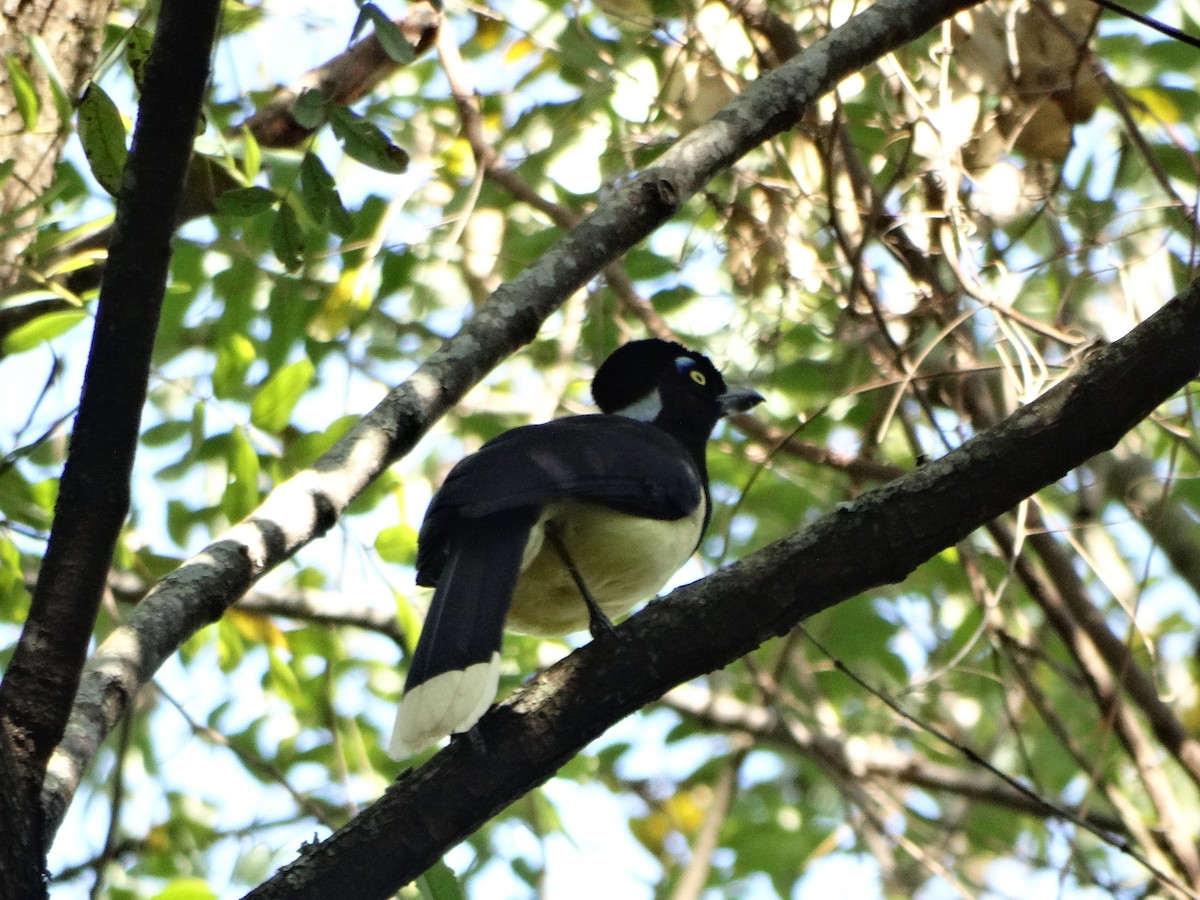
878, 539
307, 505
40, 684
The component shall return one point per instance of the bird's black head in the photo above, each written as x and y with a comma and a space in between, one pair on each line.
665, 383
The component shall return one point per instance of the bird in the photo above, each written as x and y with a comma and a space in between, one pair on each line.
551, 528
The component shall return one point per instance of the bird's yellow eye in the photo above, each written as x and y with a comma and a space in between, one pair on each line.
698, 377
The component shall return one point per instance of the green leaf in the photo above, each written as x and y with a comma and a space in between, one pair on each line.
440, 883
316, 186
42, 329
319, 194
272, 408
307, 447
58, 93
366, 142
251, 154
237, 16
374, 493
14, 597
165, 433
311, 109
24, 91
359, 23
241, 494
137, 52
6, 168
186, 889
282, 680
179, 521
247, 201
234, 355
103, 136
18, 500
397, 544
287, 238
341, 222
390, 37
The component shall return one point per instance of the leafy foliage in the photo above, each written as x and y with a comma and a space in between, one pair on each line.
933, 245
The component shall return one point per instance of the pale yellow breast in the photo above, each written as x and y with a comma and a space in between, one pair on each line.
546, 601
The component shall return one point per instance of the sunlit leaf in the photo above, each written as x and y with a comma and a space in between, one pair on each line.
138, 41
257, 629
252, 155
24, 91
18, 500
272, 407
440, 883
397, 544
282, 679
241, 493
186, 889
233, 358
489, 31
58, 92
342, 306
43, 329
14, 596
519, 49
102, 133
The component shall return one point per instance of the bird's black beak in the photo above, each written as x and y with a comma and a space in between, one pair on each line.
738, 400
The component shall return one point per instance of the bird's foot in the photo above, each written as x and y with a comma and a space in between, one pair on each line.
472, 738
599, 624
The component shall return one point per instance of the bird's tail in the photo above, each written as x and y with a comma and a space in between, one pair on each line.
456, 668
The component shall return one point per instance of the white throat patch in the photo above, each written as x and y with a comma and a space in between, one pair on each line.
644, 410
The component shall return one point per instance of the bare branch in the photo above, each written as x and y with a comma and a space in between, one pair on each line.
324, 608
891, 764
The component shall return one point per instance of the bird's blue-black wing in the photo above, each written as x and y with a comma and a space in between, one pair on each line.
565, 459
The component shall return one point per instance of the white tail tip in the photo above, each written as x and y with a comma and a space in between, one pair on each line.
449, 703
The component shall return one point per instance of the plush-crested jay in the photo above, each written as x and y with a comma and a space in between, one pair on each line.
551, 528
